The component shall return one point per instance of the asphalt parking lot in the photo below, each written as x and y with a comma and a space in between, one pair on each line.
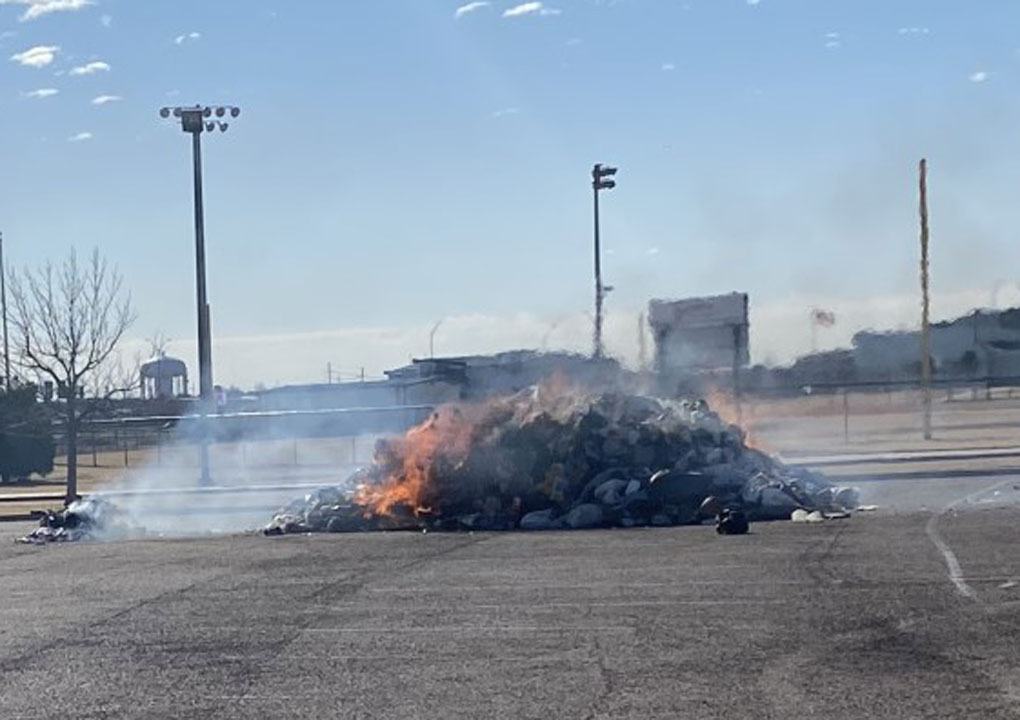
855, 618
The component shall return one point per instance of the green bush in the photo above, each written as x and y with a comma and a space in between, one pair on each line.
26, 438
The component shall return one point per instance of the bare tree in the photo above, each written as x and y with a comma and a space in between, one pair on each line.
158, 344
67, 323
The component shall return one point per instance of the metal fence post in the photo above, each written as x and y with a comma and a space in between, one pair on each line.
846, 416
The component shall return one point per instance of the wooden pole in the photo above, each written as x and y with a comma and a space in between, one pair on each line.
925, 304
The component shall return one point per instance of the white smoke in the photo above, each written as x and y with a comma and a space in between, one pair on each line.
251, 475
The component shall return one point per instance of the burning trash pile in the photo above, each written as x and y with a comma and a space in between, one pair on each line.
90, 518
546, 459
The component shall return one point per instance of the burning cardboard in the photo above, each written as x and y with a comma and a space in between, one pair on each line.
551, 458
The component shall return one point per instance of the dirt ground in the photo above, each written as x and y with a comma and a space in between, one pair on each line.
875, 422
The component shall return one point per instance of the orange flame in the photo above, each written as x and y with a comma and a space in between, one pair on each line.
408, 463
724, 405
409, 459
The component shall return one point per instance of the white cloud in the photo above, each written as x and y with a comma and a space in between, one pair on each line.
506, 111
45, 7
573, 42
653, 251
180, 39
523, 9
103, 99
668, 67
550, 11
913, 31
978, 77
37, 57
832, 44
753, 2
90, 68
42, 93
80, 137
470, 8
106, 20
35, 9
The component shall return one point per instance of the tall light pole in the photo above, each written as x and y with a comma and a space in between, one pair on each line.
196, 120
432, 339
601, 180
3, 311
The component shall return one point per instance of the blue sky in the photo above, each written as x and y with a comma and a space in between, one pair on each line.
397, 162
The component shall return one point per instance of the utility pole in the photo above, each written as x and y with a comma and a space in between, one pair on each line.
3, 310
601, 180
925, 304
196, 120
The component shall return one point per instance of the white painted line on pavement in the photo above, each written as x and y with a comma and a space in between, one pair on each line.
902, 456
450, 630
952, 563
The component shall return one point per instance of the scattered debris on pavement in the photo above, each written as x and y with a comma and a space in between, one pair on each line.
732, 522
89, 518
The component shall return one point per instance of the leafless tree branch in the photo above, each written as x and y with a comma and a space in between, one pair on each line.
66, 324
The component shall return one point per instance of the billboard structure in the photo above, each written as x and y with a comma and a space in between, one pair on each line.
707, 333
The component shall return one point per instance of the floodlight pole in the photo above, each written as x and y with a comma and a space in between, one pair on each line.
204, 336
598, 349
601, 180
195, 120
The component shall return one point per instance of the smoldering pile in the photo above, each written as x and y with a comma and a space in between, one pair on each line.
547, 459
90, 518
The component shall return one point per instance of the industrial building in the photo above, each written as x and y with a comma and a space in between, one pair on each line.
985, 343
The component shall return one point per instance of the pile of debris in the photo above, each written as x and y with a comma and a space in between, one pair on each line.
90, 518
551, 458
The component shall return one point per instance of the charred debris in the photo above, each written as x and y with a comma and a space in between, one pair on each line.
553, 458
